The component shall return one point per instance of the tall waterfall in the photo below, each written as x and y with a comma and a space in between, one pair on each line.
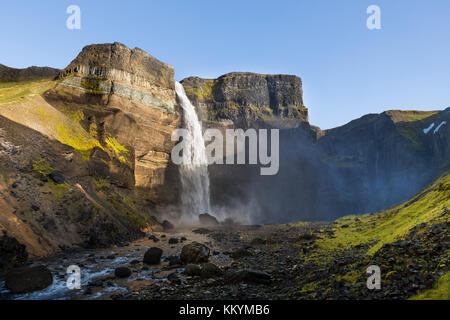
194, 175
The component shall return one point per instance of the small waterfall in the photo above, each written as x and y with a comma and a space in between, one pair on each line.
194, 176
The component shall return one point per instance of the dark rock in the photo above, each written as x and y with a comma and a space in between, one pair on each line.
35, 207
12, 253
194, 253
240, 253
153, 256
210, 270
153, 237
173, 240
250, 276
28, 279
174, 260
167, 225
111, 257
122, 272
57, 177
208, 220
192, 270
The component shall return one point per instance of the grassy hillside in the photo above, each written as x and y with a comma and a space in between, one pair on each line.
409, 242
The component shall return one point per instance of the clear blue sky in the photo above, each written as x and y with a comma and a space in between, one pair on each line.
347, 70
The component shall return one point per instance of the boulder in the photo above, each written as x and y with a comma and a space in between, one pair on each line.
122, 272
208, 220
250, 276
192, 270
173, 240
12, 253
153, 256
210, 270
28, 279
194, 253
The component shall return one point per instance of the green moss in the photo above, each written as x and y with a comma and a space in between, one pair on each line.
441, 290
92, 84
101, 184
392, 224
13, 91
93, 130
121, 152
409, 116
75, 114
42, 166
203, 92
124, 205
70, 132
58, 190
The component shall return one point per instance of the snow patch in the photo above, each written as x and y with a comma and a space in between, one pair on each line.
428, 129
439, 126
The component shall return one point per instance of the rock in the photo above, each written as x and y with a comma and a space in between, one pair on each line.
257, 242
167, 225
12, 253
202, 231
28, 279
192, 270
57, 177
35, 207
194, 253
122, 272
174, 260
243, 97
154, 238
240, 253
153, 256
111, 257
250, 276
208, 220
210, 270
173, 241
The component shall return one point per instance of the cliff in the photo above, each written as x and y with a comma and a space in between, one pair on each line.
85, 152
249, 99
129, 96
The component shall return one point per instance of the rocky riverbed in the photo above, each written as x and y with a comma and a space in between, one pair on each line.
245, 262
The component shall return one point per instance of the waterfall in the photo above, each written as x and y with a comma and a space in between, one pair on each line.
194, 175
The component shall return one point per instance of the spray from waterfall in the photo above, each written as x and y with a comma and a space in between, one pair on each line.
195, 198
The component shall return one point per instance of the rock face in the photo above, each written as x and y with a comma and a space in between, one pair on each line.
127, 98
28, 279
12, 253
8, 74
366, 165
249, 99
